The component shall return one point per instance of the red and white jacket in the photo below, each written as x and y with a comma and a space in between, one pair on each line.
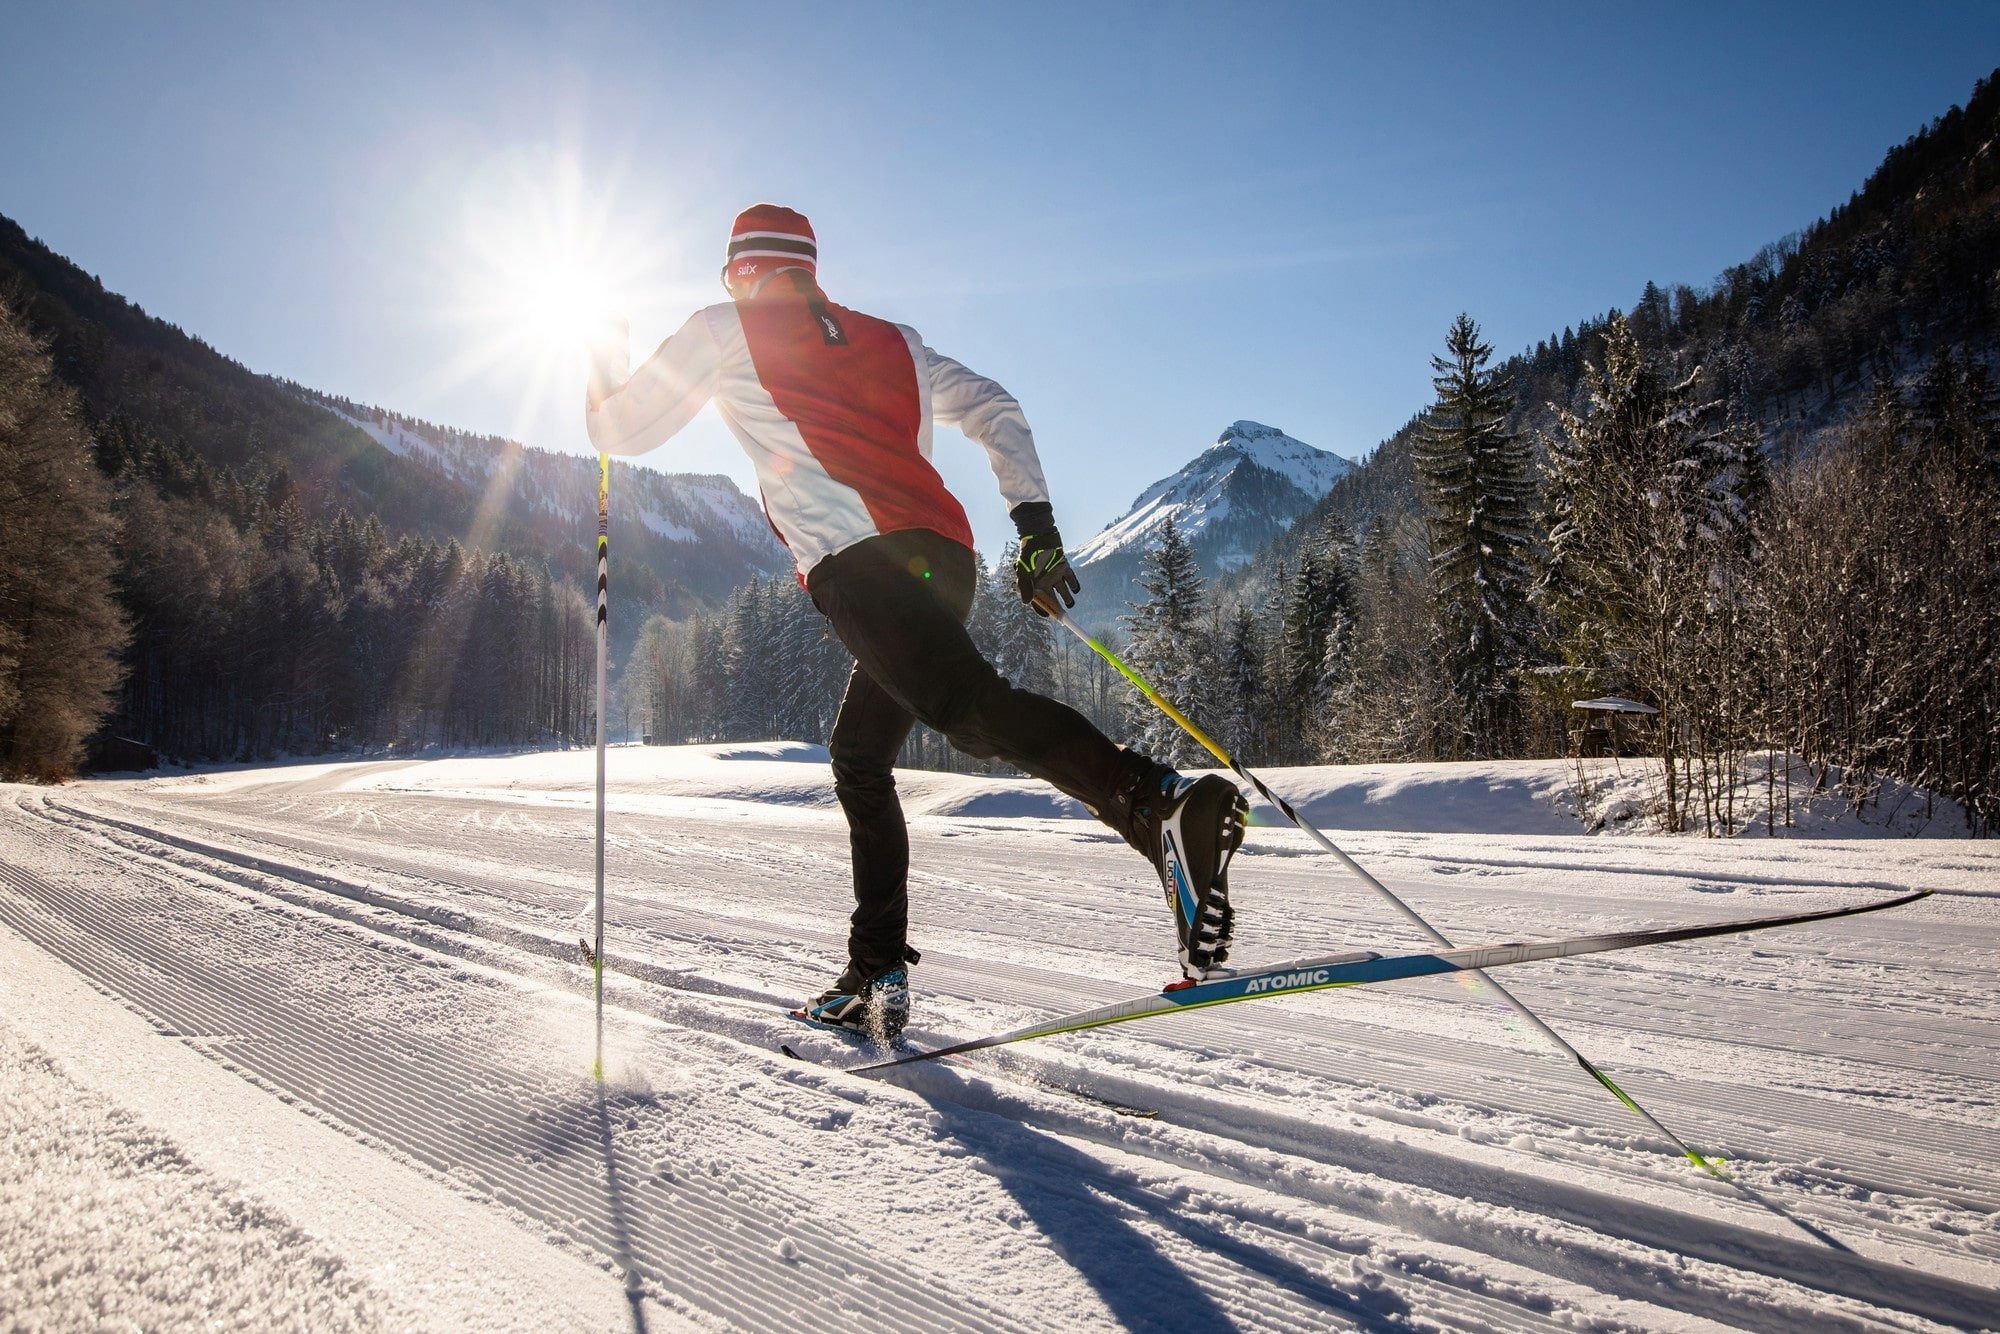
834, 408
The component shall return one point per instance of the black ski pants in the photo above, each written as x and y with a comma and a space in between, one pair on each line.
898, 601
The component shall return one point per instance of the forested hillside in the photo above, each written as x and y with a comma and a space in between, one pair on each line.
1796, 335
1766, 507
303, 573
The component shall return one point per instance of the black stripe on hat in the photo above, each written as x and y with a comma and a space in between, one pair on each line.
740, 244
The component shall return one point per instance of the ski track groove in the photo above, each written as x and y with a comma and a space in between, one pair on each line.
1489, 1313
183, 997
1580, 1106
1271, 1045
1259, 1037
455, 1138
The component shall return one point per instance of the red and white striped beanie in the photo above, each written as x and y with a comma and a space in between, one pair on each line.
766, 239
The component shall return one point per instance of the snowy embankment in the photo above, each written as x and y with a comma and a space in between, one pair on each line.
322, 1025
1473, 797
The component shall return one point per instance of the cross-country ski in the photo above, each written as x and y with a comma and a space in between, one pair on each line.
663, 667
1360, 970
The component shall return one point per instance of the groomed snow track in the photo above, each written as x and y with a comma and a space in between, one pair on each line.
397, 964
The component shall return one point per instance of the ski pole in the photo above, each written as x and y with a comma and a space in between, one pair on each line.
1409, 914
603, 650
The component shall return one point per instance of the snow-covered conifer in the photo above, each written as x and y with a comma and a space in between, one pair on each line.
1473, 475
1171, 648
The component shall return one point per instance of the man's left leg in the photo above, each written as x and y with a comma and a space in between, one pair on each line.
872, 994
898, 603
868, 733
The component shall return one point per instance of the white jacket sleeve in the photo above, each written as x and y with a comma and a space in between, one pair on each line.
630, 415
992, 418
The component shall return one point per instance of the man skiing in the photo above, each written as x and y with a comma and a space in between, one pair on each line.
835, 409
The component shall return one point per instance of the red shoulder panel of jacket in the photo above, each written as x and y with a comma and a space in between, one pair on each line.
855, 400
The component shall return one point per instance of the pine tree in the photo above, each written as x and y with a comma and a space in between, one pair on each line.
61, 629
1473, 475
749, 654
1647, 508
1170, 648
1315, 622
986, 620
1025, 652
1246, 712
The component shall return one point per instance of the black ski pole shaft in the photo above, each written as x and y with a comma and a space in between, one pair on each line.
603, 652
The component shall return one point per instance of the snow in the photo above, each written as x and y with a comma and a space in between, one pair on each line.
168, 1158
141, 1238
1198, 497
393, 437
336, 1008
667, 528
1547, 797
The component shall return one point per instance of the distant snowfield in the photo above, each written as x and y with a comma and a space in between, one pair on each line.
308, 1044
1505, 797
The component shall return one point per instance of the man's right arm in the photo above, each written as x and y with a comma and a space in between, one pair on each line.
991, 416
632, 414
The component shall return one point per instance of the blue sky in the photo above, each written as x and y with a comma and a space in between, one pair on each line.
1146, 220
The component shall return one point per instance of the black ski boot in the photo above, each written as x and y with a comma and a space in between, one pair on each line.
872, 1002
1189, 828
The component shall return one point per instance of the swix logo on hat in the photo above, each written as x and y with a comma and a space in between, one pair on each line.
766, 239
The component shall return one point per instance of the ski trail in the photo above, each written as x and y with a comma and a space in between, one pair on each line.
558, 1155
1027, 991
1458, 1182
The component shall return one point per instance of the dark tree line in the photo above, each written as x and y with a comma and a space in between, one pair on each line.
60, 625
146, 593
766, 666
261, 633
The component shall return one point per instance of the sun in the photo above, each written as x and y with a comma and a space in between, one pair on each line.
541, 262
553, 301
544, 270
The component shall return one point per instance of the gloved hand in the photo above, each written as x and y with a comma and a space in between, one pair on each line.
1042, 569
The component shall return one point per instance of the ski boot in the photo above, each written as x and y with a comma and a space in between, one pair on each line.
1189, 828
875, 1004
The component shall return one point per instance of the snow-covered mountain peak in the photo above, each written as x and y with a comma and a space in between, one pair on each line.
1227, 501
1247, 431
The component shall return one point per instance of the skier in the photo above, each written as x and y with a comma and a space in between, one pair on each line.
835, 409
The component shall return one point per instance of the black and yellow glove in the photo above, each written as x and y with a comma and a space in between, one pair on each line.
1041, 570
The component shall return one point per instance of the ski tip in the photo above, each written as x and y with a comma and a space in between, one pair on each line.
786, 1049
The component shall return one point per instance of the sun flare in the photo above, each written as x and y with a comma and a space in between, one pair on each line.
538, 268
554, 302
545, 271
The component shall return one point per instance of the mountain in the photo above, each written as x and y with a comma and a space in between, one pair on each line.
303, 574
165, 405
692, 536
1230, 502
1798, 337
